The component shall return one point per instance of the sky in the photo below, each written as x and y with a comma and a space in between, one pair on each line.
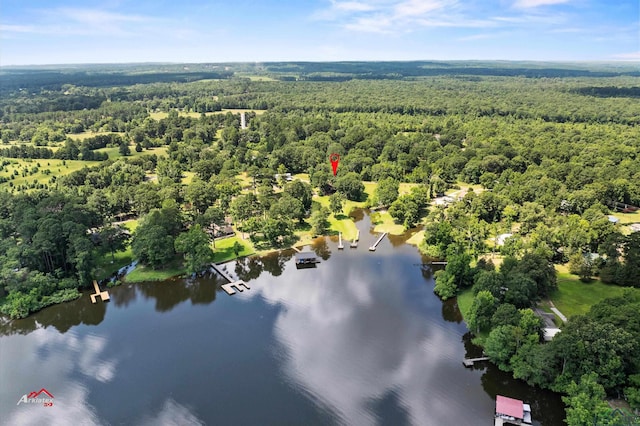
119, 31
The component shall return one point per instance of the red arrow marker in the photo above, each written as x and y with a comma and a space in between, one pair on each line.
335, 159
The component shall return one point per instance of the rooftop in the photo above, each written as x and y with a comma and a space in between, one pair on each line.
509, 407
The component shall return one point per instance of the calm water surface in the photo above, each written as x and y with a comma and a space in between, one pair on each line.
359, 340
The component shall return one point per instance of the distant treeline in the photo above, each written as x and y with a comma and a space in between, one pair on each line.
53, 80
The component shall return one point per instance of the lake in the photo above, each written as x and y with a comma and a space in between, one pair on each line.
359, 340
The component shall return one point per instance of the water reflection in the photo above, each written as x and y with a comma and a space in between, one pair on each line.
354, 343
451, 311
169, 294
53, 361
62, 317
172, 413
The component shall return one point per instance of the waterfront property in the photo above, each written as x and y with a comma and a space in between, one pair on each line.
511, 411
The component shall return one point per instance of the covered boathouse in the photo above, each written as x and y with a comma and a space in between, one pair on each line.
511, 411
306, 259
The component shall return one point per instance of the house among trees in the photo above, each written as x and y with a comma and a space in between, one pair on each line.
285, 176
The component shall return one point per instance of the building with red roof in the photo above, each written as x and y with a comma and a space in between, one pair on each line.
512, 411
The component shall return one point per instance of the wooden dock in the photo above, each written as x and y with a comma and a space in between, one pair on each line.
375, 245
468, 362
340, 245
229, 288
354, 243
104, 295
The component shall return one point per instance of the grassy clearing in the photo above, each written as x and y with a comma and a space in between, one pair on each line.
105, 268
159, 115
384, 223
114, 152
302, 176
55, 167
626, 218
144, 273
223, 251
344, 224
573, 297
85, 135
405, 188
187, 177
130, 224
464, 300
416, 239
257, 77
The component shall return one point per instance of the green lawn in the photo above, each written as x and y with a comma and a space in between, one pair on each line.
343, 224
464, 300
574, 297
143, 273
416, 239
105, 268
628, 217
131, 224
223, 251
384, 223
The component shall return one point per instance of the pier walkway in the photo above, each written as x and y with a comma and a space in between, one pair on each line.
375, 245
229, 288
468, 362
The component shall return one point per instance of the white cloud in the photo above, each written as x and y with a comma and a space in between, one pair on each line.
173, 414
399, 16
630, 56
352, 6
526, 4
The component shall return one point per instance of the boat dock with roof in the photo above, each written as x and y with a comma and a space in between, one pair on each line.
511, 411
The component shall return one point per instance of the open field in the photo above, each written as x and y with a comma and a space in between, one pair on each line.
574, 297
159, 115
56, 168
84, 135
114, 152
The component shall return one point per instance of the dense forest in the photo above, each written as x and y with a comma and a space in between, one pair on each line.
535, 166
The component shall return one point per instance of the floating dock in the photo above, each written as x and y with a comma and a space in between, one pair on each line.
104, 295
468, 362
229, 288
375, 245
340, 245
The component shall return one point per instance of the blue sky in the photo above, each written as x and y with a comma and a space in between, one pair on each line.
85, 31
